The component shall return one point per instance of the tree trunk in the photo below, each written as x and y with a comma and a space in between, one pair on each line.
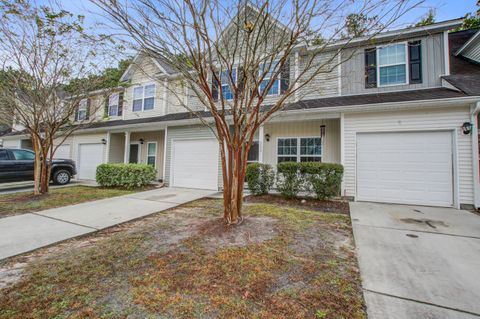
233, 190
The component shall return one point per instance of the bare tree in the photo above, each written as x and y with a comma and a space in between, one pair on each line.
231, 54
42, 49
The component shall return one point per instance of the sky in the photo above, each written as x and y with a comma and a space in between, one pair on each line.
444, 10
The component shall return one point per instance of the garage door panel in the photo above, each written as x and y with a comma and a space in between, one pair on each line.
89, 157
195, 163
407, 167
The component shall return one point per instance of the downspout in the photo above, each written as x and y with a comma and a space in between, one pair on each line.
475, 158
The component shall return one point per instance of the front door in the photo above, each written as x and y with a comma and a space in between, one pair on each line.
134, 153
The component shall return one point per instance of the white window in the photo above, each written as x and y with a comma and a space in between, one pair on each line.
392, 64
82, 110
275, 88
225, 82
152, 153
113, 102
144, 98
299, 149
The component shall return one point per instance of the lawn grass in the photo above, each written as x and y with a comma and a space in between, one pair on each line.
184, 263
25, 202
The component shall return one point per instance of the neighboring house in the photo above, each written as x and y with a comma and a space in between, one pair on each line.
392, 115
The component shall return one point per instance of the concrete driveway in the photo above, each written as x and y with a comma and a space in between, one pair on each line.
23, 233
418, 262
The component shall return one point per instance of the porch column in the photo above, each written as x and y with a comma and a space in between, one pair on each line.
261, 133
126, 157
107, 152
342, 150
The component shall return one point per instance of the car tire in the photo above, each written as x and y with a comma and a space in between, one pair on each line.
61, 177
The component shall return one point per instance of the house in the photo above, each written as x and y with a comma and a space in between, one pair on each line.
396, 114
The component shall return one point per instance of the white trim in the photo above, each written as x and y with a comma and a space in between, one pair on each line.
297, 72
455, 169
261, 72
156, 153
339, 72
446, 53
139, 154
165, 141
407, 73
475, 158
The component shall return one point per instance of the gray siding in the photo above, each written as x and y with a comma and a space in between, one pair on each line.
353, 69
187, 132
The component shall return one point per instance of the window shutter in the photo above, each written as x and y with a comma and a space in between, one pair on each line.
105, 107
120, 104
87, 115
214, 88
415, 61
285, 77
240, 79
76, 112
370, 68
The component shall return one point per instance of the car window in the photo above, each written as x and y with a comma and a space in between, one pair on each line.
3, 155
23, 155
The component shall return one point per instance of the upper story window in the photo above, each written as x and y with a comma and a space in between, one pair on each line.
225, 82
395, 64
392, 64
275, 88
144, 98
82, 112
113, 104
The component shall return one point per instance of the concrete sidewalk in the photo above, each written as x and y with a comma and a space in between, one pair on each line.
418, 262
23, 233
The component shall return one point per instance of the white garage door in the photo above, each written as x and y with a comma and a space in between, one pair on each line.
89, 157
195, 163
63, 152
406, 168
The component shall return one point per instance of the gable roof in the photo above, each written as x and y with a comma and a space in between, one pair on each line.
472, 44
464, 72
162, 66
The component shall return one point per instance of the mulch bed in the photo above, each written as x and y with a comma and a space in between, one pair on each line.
329, 206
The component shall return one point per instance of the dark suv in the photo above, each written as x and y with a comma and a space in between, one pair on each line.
17, 165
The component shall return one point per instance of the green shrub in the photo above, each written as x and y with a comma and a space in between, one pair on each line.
324, 179
260, 178
289, 179
125, 175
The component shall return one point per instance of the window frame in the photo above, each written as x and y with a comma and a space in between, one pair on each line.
143, 86
279, 79
298, 155
221, 85
155, 155
111, 105
407, 75
81, 109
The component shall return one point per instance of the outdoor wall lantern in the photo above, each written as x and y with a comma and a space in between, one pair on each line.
467, 128
104, 141
267, 137
141, 141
